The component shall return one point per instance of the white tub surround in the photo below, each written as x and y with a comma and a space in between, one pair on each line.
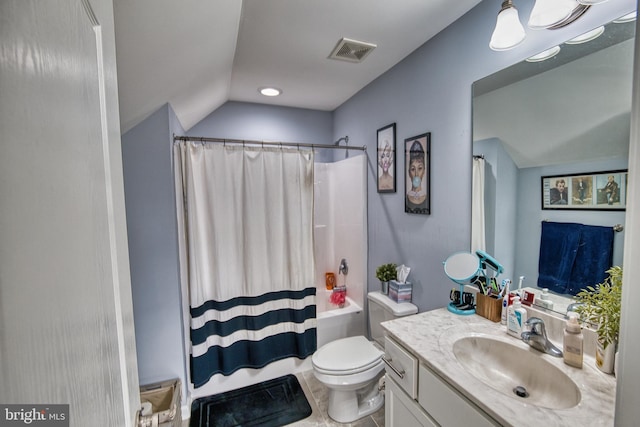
430, 337
334, 322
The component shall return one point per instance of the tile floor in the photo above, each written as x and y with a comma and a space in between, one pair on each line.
317, 395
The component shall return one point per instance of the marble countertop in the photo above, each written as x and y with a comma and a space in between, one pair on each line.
430, 336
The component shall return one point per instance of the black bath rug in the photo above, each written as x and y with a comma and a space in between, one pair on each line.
271, 403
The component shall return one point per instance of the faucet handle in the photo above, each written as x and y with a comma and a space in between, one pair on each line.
537, 325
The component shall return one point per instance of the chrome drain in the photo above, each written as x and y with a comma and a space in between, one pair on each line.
521, 391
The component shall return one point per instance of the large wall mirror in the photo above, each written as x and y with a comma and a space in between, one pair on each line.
567, 115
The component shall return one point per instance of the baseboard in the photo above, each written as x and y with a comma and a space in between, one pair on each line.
186, 410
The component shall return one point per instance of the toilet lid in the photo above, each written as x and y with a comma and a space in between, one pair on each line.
346, 355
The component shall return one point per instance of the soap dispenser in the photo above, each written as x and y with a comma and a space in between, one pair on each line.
573, 341
544, 301
516, 318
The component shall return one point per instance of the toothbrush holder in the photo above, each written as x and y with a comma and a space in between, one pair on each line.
489, 307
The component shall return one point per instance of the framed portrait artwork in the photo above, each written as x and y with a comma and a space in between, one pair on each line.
605, 190
387, 159
417, 174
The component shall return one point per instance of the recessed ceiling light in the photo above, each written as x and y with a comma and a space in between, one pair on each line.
587, 37
549, 53
626, 18
270, 91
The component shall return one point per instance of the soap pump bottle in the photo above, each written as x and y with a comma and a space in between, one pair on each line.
573, 341
544, 300
516, 318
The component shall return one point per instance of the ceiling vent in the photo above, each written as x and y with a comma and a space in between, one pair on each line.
351, 50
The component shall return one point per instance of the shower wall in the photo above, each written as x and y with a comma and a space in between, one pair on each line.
341, 225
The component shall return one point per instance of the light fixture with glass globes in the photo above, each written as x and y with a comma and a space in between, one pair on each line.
546, 14
544, 55
590, 2
552, 14
626, 18
587, 37
509, 32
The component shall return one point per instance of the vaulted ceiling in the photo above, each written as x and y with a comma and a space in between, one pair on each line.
199, 54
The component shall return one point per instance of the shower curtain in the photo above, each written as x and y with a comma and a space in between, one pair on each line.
245, 220
477, 206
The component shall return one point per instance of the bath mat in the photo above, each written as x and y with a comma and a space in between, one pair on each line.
271, 403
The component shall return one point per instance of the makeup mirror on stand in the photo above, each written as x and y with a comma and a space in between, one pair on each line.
465, 268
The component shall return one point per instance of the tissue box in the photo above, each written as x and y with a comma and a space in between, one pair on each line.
400, 292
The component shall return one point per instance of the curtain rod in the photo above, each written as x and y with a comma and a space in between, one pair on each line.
263, 143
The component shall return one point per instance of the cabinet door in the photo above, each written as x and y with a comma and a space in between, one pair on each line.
401, 411
446, 405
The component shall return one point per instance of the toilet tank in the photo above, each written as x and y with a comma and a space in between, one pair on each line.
382, 308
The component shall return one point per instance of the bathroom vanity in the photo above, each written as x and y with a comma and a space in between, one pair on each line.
445, 369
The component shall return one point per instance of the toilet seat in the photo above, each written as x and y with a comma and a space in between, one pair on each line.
346, 356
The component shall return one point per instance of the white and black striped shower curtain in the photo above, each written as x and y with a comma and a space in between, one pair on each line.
245, 218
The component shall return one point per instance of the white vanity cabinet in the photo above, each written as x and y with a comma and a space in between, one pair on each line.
416, 396
402, 411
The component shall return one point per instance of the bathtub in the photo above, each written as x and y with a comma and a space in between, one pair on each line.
335, 322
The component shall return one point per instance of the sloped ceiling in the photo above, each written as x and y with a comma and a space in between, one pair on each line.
197, 54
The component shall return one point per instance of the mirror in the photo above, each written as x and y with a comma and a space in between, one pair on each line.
567, 115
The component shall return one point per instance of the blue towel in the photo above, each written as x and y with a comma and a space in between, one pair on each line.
573, 256
593, 259
558, 247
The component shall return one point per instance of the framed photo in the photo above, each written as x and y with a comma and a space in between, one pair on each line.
417, 174
387, 159
605, 190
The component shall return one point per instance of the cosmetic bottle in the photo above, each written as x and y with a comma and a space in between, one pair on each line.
516, 317
573, 341
544, 300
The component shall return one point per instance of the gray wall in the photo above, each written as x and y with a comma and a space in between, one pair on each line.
530, 214
151, 219
240, 120
153, 247
430, 91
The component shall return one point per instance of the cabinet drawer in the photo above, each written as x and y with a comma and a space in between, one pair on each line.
401, 366
446, 405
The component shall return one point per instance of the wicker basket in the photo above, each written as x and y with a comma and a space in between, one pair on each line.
164, 398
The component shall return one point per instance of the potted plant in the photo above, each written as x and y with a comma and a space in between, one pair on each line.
601, 307
384, 273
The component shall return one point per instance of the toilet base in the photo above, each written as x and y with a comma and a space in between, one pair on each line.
346, 406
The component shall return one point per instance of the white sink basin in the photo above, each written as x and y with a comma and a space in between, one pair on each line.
518, 373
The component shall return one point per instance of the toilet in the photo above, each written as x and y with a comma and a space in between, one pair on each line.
352, 367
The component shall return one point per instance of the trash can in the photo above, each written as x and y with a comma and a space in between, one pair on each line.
160, 404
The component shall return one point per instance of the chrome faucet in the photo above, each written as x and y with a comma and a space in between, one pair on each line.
536, 337
344, 268
572, 307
